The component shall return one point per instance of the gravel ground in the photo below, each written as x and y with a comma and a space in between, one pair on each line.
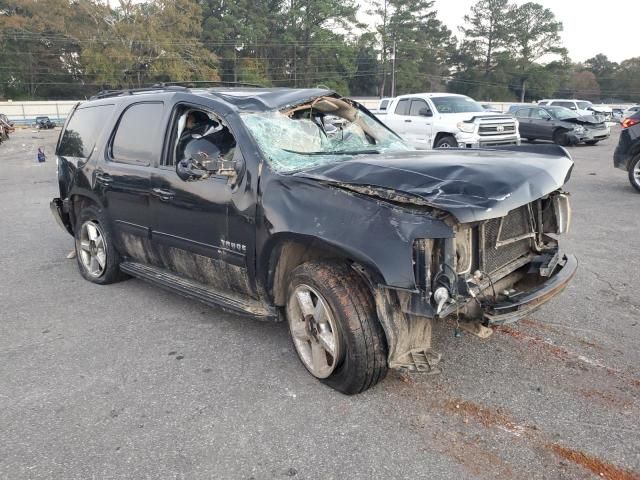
129, 381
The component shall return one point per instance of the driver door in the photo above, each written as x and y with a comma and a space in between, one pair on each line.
198, 231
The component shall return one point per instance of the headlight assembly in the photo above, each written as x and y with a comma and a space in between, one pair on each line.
466, 127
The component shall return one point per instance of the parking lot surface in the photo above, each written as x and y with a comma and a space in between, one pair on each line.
130, 381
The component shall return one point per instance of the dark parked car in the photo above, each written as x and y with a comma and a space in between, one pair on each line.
627, 154
44, 122
559, 125
243, 198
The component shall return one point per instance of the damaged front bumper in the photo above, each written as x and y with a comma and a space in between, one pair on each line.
523, 304
407, 316
60, 211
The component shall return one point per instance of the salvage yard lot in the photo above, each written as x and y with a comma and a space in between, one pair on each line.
129, 381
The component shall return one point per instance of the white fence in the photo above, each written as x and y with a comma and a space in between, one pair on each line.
24, 113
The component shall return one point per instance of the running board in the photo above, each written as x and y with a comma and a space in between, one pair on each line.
198, 291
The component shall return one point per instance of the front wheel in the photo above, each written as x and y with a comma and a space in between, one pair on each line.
634, 173
561, 138
446, 142
334, 327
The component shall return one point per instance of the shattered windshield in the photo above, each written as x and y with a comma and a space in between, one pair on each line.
324, 131
456, 104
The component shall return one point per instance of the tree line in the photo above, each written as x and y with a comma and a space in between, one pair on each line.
58, 49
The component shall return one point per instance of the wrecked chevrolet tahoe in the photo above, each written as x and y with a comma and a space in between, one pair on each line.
298, 204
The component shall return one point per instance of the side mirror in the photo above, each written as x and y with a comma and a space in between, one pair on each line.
425, 112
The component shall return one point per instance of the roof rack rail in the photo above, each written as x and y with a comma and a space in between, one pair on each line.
219, 83
131, 91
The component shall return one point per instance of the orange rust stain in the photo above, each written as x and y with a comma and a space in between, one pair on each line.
554, 350
595, 465
607, 398
483, 415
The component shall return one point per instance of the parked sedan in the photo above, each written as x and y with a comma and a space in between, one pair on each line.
559, 125
627, 154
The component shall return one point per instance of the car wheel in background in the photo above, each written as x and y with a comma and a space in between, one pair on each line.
446, 142
634, 173
334, 326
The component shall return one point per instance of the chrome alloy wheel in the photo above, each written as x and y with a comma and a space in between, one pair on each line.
636, 173
314, 331
92, 249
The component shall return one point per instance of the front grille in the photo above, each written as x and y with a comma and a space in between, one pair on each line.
496, 143
498, 247
497, 129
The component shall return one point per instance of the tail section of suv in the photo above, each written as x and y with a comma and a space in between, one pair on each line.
256, 201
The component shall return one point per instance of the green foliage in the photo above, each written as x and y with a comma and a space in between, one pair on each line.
72, 48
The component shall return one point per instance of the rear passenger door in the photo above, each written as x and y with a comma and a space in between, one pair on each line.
135, 145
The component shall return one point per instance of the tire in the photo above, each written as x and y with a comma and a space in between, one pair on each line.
348, 322
91, 226
446, 142
560, 138
592, 142
634, 173
531, 140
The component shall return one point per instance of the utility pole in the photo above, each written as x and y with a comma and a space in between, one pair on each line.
393, 70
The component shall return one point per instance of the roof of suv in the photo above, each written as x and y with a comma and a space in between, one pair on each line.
238, 98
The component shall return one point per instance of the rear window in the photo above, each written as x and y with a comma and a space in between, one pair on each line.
83, 130
137, 139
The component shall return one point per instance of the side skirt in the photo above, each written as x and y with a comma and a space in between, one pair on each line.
200, 292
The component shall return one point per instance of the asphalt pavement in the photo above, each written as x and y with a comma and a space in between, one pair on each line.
130, 381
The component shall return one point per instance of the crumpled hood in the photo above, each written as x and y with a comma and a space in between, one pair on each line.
585, 120
472, 185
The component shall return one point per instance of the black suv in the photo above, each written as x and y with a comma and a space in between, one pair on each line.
299, 204
627, 154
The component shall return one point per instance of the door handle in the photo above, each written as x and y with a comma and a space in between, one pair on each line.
407, 121
104, 178
163, 194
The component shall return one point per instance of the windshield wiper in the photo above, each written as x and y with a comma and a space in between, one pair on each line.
337, 152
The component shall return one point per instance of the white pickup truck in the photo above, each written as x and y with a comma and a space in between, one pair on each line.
447, 120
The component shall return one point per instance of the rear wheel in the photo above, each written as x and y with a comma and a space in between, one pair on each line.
634, 173
446, 142
97, 258
334, 327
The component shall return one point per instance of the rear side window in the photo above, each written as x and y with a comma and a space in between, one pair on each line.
83, 131
403, 107
138, 137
